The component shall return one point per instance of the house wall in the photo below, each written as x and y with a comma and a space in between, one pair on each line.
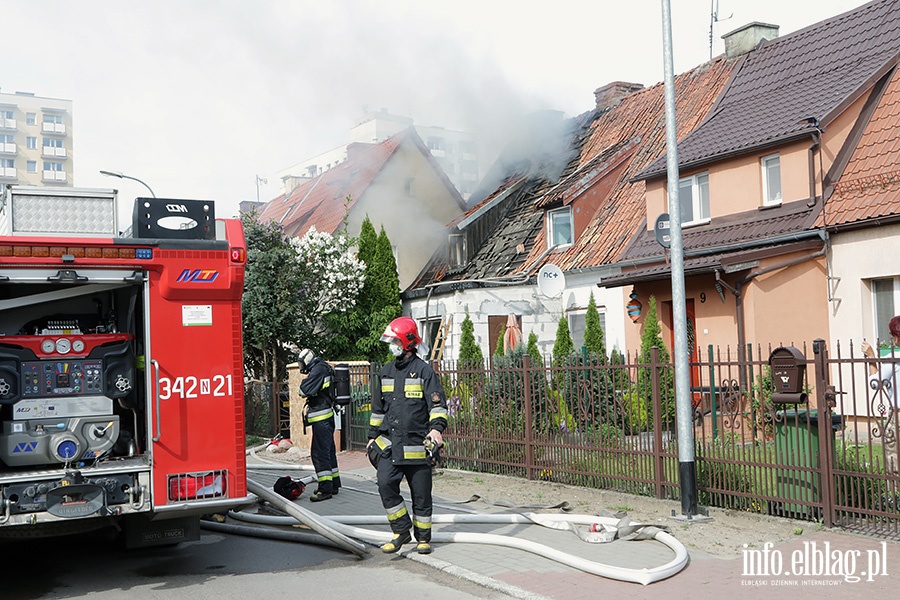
585, 206
415, 223
716, 323
735, 185
857, 257
540, 314
787, 306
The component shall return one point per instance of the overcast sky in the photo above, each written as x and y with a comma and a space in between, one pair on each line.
198, 97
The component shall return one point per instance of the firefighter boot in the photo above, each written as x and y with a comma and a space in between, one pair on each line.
319, 496
398, 540
423, 548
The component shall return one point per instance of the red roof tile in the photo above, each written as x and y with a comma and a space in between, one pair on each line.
869, 187
639, 116
323, 201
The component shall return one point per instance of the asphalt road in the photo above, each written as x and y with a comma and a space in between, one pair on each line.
218, 566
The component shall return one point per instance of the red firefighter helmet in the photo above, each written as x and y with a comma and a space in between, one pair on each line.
405, 331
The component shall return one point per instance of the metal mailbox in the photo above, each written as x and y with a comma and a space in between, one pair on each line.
788, 367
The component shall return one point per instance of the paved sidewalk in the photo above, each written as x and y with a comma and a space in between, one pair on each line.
522, 574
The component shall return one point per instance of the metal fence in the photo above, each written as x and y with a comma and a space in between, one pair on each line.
831, 458
266, 409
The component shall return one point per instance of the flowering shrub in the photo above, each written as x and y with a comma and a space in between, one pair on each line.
333, 273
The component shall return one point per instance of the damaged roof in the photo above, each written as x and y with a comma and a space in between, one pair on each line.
641, 117
502, 227
787, 84
629, 135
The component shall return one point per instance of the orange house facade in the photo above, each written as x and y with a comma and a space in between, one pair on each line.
755, 181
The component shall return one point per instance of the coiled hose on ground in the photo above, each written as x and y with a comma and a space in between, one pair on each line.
341, 532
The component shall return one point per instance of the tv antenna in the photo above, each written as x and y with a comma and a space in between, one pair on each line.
713, 19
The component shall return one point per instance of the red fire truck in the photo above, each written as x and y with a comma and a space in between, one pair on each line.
121, 379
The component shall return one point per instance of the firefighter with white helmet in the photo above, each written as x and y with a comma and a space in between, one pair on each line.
317, 388
408, 408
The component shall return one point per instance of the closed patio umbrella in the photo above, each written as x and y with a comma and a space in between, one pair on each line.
513, 335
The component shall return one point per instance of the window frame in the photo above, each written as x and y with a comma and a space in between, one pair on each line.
457, 245
551, 227
579, 316
882, 334
767, 199
697, 200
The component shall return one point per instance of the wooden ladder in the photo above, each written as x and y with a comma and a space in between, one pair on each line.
437, 351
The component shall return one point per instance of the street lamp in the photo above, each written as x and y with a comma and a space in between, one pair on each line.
123, 176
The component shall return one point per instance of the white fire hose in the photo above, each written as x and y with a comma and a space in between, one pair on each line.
341, 532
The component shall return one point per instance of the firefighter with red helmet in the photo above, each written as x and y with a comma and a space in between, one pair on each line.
409, 406
319, 413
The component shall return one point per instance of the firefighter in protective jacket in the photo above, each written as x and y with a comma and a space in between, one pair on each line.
409, 406
319, 413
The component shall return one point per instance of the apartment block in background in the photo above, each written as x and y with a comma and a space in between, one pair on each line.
35, 140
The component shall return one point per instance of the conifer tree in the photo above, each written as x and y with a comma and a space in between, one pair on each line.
593, 332
650, 337
536, 359
469, 351
563, 346
356, 336
498, 349
564, 379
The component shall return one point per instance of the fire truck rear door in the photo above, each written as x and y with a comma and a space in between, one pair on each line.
194, 359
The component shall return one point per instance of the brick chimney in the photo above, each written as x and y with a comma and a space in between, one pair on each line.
746, 38
610, 94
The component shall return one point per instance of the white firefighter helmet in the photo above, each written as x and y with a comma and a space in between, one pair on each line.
305, 359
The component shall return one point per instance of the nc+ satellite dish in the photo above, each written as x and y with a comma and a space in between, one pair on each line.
550, 281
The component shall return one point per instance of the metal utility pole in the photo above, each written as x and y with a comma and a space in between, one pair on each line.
264, 182
687, 471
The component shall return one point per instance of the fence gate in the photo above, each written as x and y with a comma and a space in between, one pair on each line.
861, 469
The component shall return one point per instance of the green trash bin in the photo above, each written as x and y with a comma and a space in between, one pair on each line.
797, 445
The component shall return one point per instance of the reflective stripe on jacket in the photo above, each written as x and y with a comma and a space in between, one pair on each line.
408, 403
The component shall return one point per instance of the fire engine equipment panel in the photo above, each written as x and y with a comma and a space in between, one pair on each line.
63, 399
61, 378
